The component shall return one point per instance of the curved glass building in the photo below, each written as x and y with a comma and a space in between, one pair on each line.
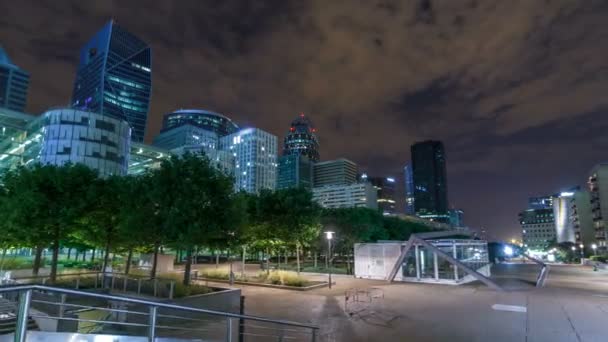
205, 119
301, 139
98, 141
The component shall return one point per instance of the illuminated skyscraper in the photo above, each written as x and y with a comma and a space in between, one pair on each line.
386, 193
430, 180
409, 190
114, 77
301, 139
14, 83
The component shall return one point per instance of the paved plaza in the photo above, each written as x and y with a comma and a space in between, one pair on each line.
572, 307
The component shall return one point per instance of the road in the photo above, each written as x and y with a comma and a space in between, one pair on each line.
572, 307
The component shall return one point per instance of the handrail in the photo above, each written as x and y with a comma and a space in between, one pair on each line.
154, 304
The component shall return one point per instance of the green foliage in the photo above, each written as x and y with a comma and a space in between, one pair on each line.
286, 278
599, 258
216, 274
16, 264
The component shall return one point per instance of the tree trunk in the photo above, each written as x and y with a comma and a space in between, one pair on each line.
267, 261
93, 255
286, 258
154, 261
217, 260
315, 262
129, 257
2, 258
278, 259
188, 268
84, 256
243, 262
298, 258
76, 256
55, 258
37, 261
69, 253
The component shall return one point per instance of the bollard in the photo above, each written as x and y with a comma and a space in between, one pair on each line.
139, 286
171, 289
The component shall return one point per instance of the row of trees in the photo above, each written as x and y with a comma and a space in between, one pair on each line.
185, 204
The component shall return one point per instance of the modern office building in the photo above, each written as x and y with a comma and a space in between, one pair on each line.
255, 153
186, 135
385, 187
294, 170
301, 139
456, 218
598, 190
430, 179
542, 202
114, 77
14, 83
335, 172
205, 119
408, 176
346, 196
562, 214
98, 141
538, 228
581, 218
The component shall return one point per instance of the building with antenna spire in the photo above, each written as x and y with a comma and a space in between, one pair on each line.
302, 139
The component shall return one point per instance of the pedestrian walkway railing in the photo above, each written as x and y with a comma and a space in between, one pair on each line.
59, 310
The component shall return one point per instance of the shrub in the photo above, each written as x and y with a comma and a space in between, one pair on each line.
216, 274
600, 258
16, 264
282, 278
181, 290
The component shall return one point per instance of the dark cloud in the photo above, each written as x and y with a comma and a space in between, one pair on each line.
516, 89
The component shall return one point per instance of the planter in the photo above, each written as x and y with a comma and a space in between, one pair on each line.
282, 287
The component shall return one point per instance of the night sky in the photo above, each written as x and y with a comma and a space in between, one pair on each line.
517, 90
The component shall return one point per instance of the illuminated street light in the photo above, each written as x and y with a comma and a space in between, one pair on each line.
329, 236
594, 247
508, 251
573, 248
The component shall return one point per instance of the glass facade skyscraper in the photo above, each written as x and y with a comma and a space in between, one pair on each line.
14, 84
205, 119
408, 176
430, 180
301, 139
294, 171
386, 193
114, 77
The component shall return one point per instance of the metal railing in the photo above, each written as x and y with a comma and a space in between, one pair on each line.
138, 317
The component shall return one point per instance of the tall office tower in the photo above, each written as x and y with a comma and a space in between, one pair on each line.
301, 139
580, 216
255, 153
385, 187
409, 190
562, 215
14, 83
430, 179
456, 218
114, 77
537, 227
294, 171
334, 172
598, 189
542, 202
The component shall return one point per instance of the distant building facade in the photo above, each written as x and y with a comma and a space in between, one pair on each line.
598, 191
542, 202
385, 187
456, 218
14, 83
255, 154
98, 141
114, 77
430, 179
186, 135
562, 215
581, 218
408, 175
294, 171
355, 195
335, 172
538, 228
204, 119
301, 139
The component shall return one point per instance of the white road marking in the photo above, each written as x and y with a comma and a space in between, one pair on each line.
514, 308
598, 295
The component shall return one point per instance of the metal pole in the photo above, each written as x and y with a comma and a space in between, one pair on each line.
138, 285
436, 266
417, 262
171, 289
241, 320
78, 283
329, 261
152, 324
455, 255
314, 335
24, 306
229, 330
62, 307
124, 284
155, 286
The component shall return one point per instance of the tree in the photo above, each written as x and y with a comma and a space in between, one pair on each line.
47, 200
194, 202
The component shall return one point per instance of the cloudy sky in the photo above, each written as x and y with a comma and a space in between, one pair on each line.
515, 89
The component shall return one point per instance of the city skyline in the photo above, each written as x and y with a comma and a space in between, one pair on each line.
499, 153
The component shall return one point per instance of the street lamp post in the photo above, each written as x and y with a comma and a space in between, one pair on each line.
582, 251
594, 247
329, 236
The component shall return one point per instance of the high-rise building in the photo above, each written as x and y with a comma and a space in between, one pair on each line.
334, 172
408, 176
205, 119
580, 216
255, 153
385, 187
14, 84
562, 215
456, 218
114, 77
542, 202
186, 135
598, 189
538, 228
294, 171
430, 179
301, 139
346, 196
98, 141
